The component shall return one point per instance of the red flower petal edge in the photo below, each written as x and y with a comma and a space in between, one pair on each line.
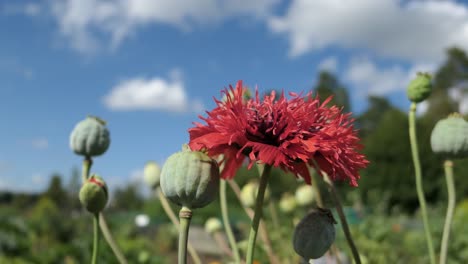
288, 134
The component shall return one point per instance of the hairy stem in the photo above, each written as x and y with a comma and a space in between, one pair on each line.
448, 167
419, 187
227, 225
257, 213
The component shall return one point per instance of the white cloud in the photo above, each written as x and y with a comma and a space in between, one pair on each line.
372, 79
83, 21
151, 94
328, 64
418, 31
40, 143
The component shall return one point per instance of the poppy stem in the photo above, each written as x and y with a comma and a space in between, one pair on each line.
185, 215
448, 167
257, 213
167, 208
87, 163
95, 238
341, 215
261, 228
344, 223
417, 173
227, 225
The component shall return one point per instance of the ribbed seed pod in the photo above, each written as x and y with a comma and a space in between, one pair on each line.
190, 179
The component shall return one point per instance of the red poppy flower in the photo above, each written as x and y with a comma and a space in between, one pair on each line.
283, 133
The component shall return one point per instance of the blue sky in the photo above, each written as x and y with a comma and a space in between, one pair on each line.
151, 67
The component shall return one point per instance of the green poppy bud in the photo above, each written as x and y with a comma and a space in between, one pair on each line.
90, 137
249, 192
213, 225
304, 195
314, 234
94, 194
287, 204
449, 137
420, 88
151, 174
190, 179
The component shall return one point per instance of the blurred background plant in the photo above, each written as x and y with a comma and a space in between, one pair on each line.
383, 211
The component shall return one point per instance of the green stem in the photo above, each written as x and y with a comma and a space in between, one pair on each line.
271, 204
448, 166
185, 215
95, 238
257, 213
419, 187
272, 258
227, 225
87, 163
341, 215
315, 187
168, 210
110, 240
344, 224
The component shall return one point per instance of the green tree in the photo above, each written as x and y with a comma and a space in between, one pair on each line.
128, 198
390, 173
368, 121
56, 192
328, 85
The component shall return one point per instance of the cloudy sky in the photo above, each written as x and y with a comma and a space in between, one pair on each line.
150, 67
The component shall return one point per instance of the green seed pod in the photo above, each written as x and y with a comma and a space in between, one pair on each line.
449, 137
151, 174
249, 192
90, 137
213, 225
420, 88
304, 195
314, 234
190, 179
94, 194
287, 204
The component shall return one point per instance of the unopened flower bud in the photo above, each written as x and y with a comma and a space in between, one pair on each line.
94, 194
314, 234
213, 225
420, 88
151, 174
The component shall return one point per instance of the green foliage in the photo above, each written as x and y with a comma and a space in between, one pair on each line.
328, 85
